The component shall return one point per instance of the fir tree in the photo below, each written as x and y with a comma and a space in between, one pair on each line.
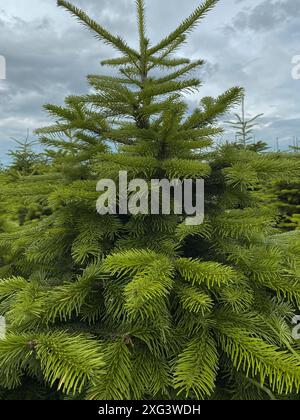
259, 146
131, 307
286, 198
24, 159
26, 164
244, 127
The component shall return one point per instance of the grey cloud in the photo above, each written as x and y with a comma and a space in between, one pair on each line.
268, 15
49, 55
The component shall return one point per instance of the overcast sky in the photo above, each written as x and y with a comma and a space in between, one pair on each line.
248, 43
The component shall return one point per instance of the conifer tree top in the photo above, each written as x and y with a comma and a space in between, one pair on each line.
173, 40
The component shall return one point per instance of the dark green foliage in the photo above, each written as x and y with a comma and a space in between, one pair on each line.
284, 195
288, 196
288, 199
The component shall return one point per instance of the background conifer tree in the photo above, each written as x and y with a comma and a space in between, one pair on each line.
24, 158
285, 195
132, 307
244, 127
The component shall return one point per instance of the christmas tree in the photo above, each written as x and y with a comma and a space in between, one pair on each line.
244, 127
122, 306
